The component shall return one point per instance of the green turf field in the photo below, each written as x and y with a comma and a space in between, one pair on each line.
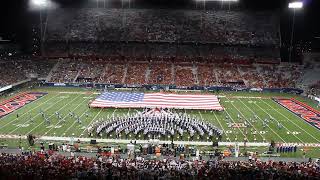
64, 100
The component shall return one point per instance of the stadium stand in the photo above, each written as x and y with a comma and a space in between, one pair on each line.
184, 76
181, 73
66, 72
135, 47
114, 73
45, 166
15, 70
169, 47
135, 71
224, 27
161, 73
309, 80
206, 74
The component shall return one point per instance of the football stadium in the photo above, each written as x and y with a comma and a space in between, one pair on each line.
204, 89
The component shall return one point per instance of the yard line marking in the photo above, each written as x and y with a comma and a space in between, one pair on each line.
65, 118
278, 121
51, 115
200, 115
219, 124
72, 92
244, 136
128, 112
35, 116
248, 121
74, 122
91, 122
292, 121
261, 120
29, 110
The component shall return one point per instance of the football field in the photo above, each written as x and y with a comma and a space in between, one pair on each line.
265, 119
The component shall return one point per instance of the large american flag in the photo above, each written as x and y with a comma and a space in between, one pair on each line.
156, 100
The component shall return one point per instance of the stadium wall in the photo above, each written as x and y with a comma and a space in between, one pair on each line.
173, 87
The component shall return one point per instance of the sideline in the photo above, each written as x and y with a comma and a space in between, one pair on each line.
126, 141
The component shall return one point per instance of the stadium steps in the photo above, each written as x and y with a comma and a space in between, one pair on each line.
309, 77
247, 84
75, 78
125, 72
173, 73
147, 75
259, 70
103, 74
54, 68
195, 74
215, 74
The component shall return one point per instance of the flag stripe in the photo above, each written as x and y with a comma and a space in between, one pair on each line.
141, 100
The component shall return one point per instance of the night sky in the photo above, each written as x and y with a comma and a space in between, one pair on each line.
17, 20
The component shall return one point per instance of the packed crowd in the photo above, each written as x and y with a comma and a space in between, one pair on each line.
115, 73
158, 123
185, 76
160, 73
134, 73
182, 74
163, 71
15, 70
163, 25
66, 72
44, 166
181, 52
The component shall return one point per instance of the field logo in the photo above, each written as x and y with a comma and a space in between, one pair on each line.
306, 112
18, 101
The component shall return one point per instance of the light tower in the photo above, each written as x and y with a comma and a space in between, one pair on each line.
295, 6
39, 5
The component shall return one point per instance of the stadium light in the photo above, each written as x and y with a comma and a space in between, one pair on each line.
295, 5
39, 3
35, 5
